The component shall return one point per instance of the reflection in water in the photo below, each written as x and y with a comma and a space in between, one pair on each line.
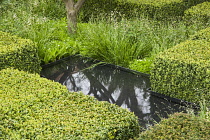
113, 84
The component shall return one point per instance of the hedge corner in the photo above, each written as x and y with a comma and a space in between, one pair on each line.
183, 71
36, 108
19, 53
179, 126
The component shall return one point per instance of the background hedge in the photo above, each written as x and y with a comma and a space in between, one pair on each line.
202, 35
179, 126
159, 9
198, 13
36, 108
18, 53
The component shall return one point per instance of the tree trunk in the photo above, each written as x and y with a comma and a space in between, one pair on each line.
72, 9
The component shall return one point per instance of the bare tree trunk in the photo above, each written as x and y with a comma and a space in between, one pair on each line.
72, 9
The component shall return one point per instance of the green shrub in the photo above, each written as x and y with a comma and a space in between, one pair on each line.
19, 53
202, 35
53, 40
116, 43
130, 8
142, 65
194, 2
179, 126
96, 8
121, 42
183, 71
53, 9
158, 9
198, 13
36, 108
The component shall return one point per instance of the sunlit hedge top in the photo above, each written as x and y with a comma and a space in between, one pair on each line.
202, 9
36, 108
191, 51
179, 126
10, 43
19, 53
202, 35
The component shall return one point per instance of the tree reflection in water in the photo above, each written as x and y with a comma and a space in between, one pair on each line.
113, 84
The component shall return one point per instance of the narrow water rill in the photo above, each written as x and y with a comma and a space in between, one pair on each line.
117, 85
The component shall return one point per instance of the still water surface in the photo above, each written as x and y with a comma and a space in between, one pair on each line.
117, 85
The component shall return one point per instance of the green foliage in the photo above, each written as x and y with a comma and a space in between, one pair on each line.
36, 108
96, 8
202, 35
164, 2
19, 53
50, 36
204, 112
194, 2
122, 42
179, 126
53, 40
115, 43
158, 9
153, 2
118, 42
53, 9
142, 65
198, 13
183, 71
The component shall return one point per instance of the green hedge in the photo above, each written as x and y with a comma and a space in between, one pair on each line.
191, 3
153, 8
159, 9
202, 35
19, 53
53, 9
179, 126
36, 108
183, 71
94, 9
130, 8
200, 12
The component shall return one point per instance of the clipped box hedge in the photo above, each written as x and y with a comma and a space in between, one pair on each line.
159, 9
36, 108
183, 71
18, 53
179, 126
202, 35
94, 9
200, 12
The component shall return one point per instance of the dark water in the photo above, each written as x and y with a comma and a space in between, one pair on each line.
113, 84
